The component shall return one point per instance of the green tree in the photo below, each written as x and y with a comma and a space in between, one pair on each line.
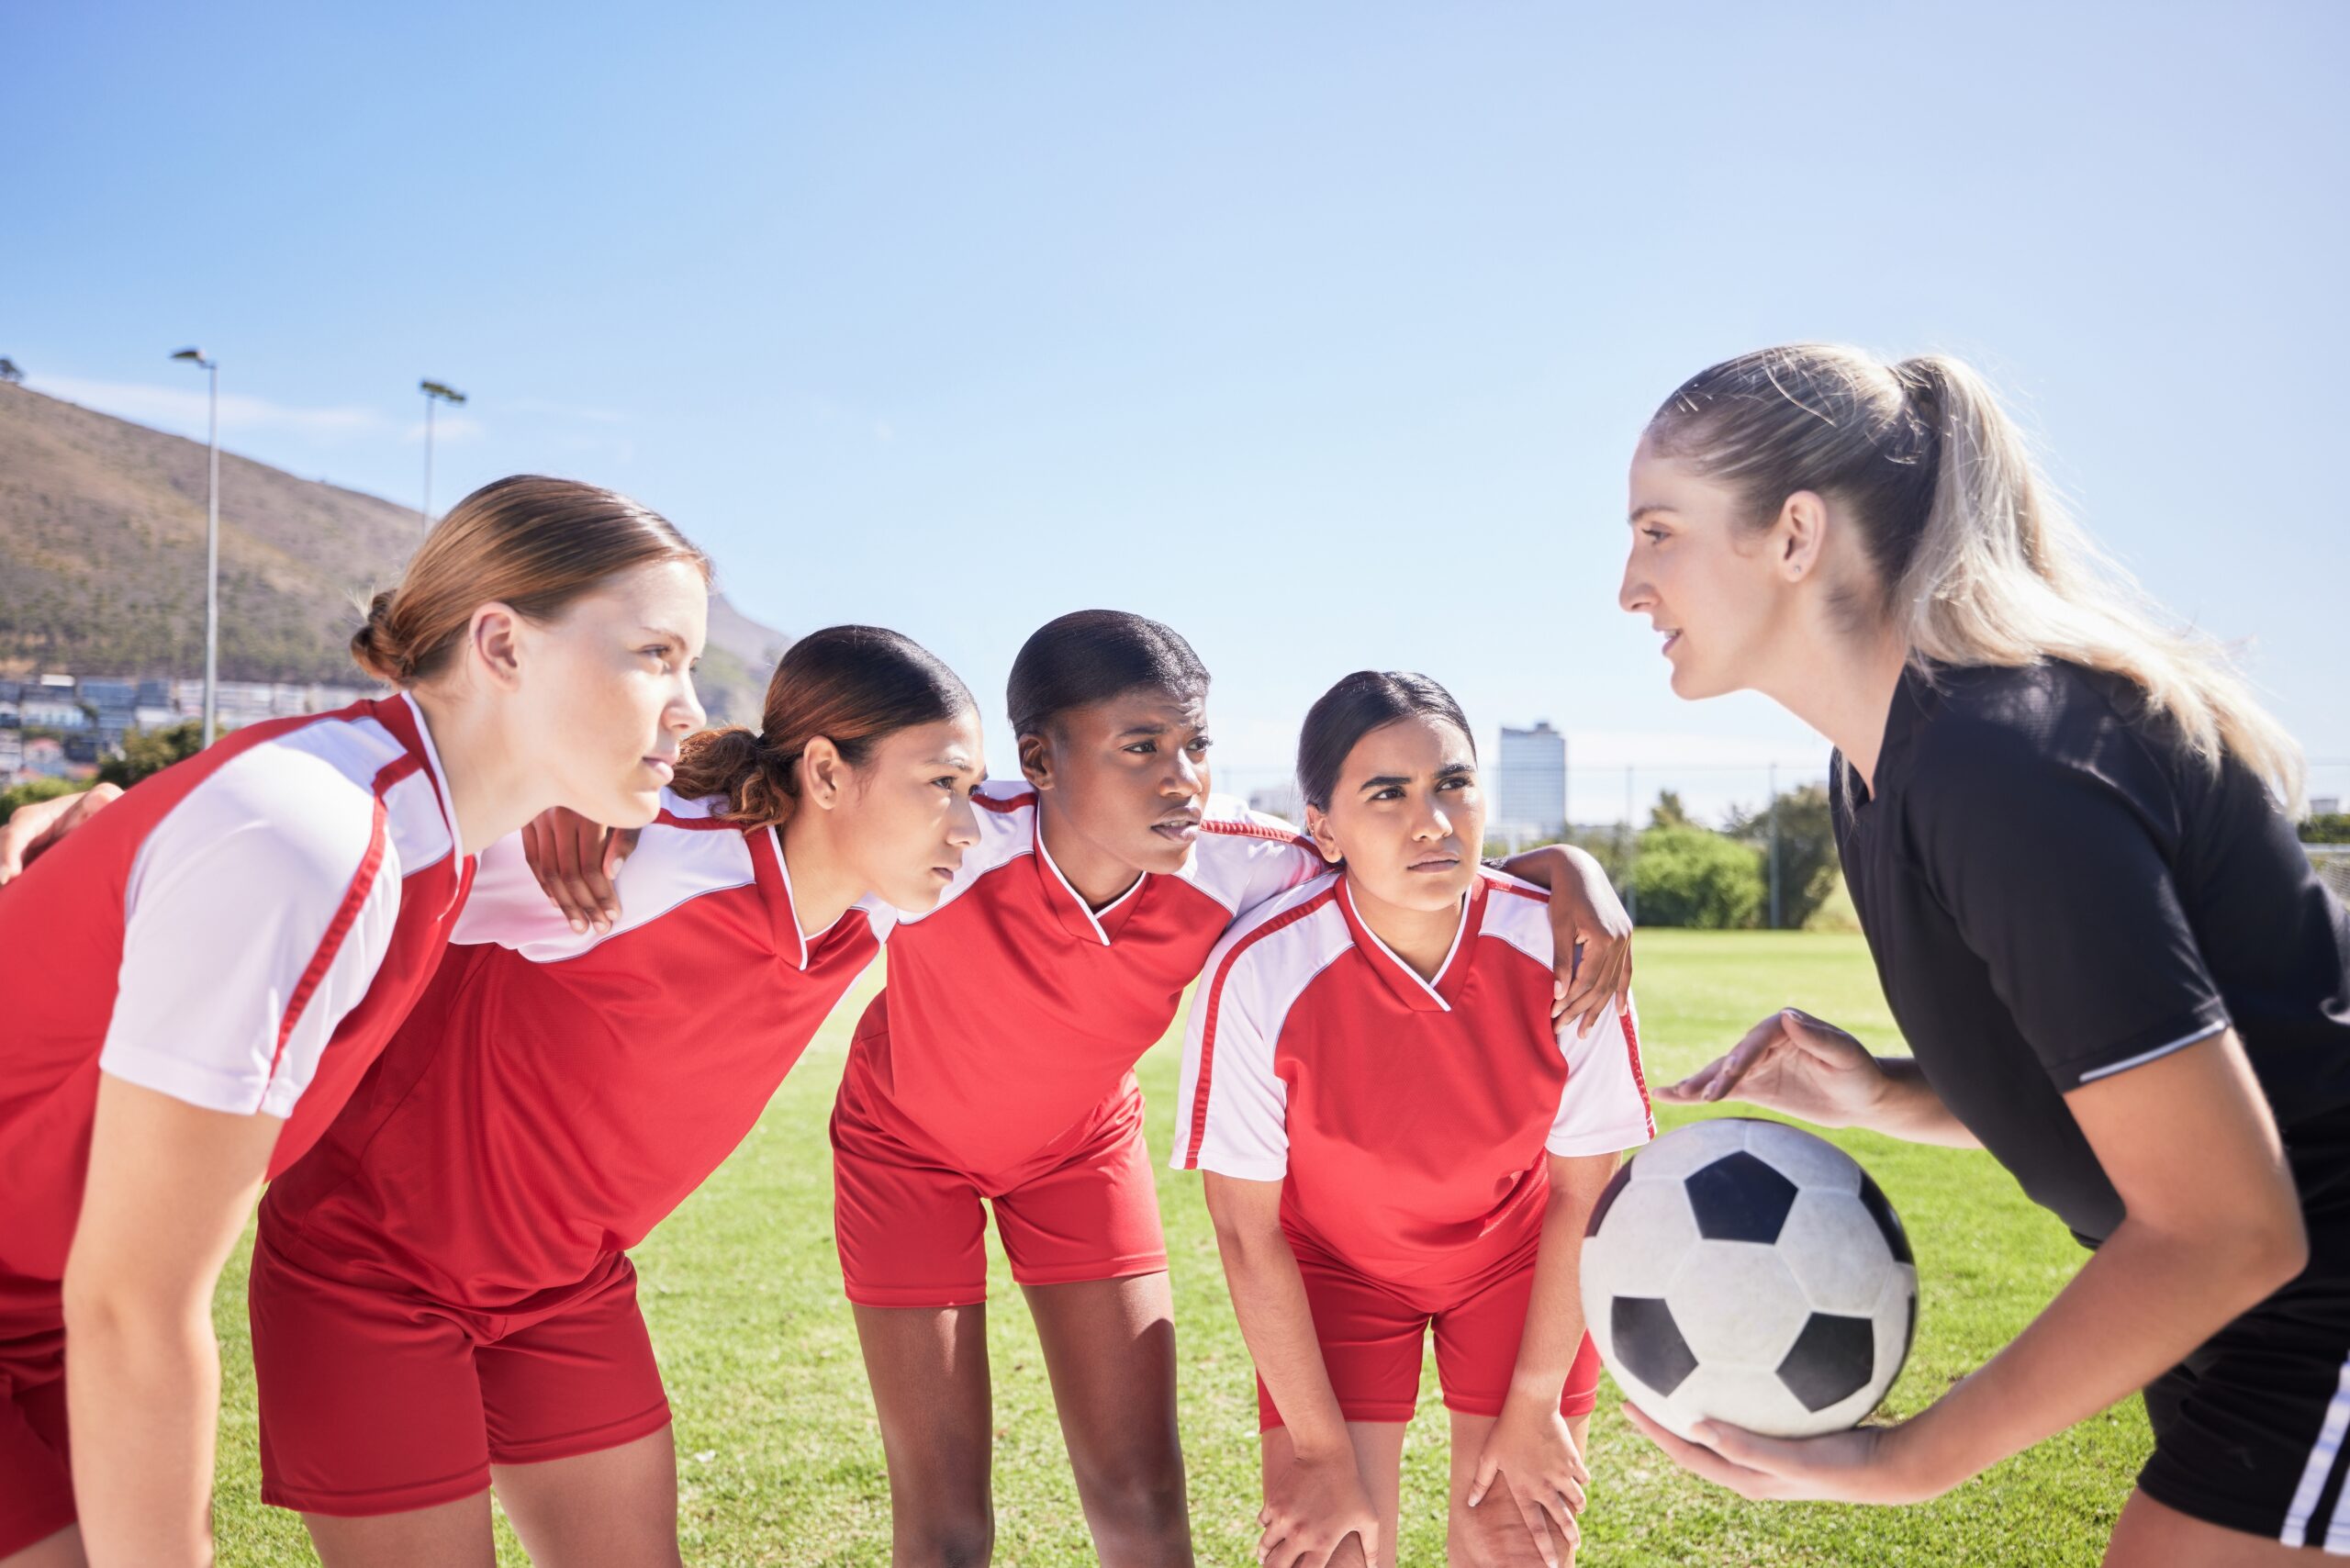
151, 751
2326, 828
1692, 876
1668, 810
1608, 846
1807, 863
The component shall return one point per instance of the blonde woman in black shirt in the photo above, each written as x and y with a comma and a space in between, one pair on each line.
2066, 829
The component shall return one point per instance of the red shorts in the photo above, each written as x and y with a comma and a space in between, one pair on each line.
375, 1401
1372, 1333
910, 1230
36, 1487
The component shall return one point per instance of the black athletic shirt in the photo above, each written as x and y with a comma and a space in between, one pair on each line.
2056, 891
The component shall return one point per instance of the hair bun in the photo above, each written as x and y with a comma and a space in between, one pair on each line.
377, 647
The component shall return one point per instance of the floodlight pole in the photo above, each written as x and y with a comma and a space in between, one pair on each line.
211, 368
434, 392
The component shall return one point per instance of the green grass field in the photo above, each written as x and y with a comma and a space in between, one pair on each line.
780, 1462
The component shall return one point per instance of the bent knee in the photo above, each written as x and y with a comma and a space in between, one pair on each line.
945, 1540
1140, 1508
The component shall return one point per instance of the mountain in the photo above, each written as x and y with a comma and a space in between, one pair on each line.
102, 562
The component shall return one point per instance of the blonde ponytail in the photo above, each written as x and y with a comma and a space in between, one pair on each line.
1975, 561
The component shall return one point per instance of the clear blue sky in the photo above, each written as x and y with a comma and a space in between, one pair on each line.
1321, 332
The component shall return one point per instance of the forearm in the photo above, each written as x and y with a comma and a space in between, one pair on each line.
142, 1392
1908, 1108
1547, 1346
2139, 1306
167, 1192
1269, 1298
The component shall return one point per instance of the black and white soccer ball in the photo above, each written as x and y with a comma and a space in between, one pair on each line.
1747, 1271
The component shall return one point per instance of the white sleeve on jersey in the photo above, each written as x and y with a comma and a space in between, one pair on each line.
1240, 1126
1604, 1108
1242, 1129
507, 905
1245, 860
1277, 869
670, 865
255, 919
1005, 836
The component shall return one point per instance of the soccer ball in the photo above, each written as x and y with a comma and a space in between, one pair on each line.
1747, 1271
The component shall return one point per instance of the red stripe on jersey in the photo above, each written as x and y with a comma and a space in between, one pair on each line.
1244, 829
362, 881
1640, 1078
1215, 1001
1006, 806
1540, 895
706, 824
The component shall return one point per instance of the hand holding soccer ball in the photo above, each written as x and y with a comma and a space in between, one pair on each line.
1749, 1272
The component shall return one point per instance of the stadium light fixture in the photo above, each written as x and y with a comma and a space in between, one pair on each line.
434, 392
211, 368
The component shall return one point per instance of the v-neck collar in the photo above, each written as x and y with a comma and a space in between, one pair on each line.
791, 943
1076, 917
1403, 980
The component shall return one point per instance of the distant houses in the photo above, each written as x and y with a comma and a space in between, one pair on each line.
61, 726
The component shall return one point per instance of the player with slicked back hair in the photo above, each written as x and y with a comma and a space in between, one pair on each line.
1394, 1141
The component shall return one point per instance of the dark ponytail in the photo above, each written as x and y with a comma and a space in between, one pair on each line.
852, 685
1359, 704
1091, 655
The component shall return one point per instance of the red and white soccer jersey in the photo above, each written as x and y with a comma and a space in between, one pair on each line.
443, 1285
1012, 1009
575, 1087
1407, 1121
999, 1063
243, 932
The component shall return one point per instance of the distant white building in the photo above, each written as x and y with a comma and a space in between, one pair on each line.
250, 702
48, 711
1530, 786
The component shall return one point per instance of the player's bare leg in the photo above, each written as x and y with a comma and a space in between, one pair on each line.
1379, 1459
1494, 1533
929, 1371
614, 1508
455, 1534
63, 1550
1110, 1349
2153, 1535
